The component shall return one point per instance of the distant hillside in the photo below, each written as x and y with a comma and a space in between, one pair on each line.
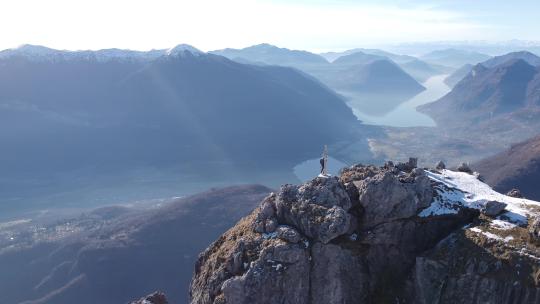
357, 58
454, 57
379, 76
486, 93
418, 69
332, 56
458, 75
422, 70
518, 167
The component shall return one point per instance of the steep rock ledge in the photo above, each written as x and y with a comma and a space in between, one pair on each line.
392, 234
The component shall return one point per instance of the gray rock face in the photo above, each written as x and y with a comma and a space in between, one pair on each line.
493, 208
273, 278
386, 196
457, 271
334, 283
515, 193
534, 230
288, 234
318, 209
358, 239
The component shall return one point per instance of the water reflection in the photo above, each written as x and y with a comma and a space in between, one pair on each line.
392, 111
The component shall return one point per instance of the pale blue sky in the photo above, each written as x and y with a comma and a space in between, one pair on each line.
316, 25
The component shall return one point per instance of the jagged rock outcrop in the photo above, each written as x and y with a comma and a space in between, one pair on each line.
493, 208
155, 298
515, 193
391, 234
534, 231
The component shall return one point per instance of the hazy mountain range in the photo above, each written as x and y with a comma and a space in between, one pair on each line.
454, 57
200, 113
327, 65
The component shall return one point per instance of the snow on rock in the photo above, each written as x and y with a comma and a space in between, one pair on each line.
456, 190
502, 225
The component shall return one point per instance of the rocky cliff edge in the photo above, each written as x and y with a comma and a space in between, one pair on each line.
391, 234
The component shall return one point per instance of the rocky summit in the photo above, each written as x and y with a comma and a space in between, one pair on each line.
391, 234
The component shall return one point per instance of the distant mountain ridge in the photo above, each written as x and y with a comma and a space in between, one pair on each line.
357, 58
332, 56
454, 57
356, 71
271, 54
528, 57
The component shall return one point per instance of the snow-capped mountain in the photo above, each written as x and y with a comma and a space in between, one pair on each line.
182, 49
40, 53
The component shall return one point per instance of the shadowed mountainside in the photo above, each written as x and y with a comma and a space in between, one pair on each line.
518, 167
114, 254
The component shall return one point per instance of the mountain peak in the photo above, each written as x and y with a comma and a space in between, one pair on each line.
182, 49
265, 45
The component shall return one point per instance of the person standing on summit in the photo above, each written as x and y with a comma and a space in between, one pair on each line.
324, 161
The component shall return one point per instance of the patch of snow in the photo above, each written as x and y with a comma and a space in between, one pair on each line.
461, 189
502, 225
306, 243
353, 237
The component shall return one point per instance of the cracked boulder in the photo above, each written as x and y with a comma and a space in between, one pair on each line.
317, 209
389, 196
